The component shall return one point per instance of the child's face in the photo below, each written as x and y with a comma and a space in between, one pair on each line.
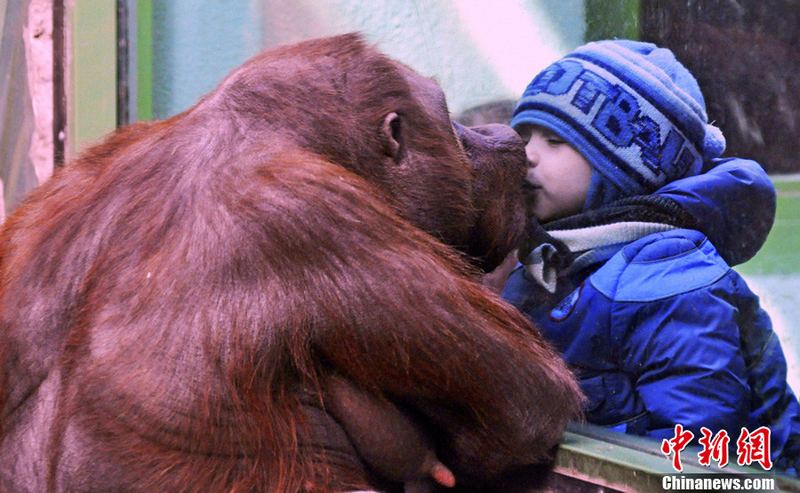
559, 174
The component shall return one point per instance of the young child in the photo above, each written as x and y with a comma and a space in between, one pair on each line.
646, 310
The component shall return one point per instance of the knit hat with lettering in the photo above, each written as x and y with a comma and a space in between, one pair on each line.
631, 109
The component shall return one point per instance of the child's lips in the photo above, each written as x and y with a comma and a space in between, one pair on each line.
529, 191
532, 186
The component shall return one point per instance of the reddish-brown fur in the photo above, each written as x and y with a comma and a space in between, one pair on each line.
171, 300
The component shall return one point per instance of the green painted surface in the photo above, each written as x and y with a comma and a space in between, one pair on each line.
93, 72
144, 61
785, 185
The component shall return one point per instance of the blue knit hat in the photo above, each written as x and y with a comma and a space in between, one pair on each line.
631, 109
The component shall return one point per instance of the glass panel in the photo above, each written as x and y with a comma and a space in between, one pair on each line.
17, 172
744, 56
485, 53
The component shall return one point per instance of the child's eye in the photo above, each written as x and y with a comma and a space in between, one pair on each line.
551, 138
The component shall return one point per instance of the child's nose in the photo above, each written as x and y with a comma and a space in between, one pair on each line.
533, 154
530, 176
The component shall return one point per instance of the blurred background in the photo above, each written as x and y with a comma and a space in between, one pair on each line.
73, 70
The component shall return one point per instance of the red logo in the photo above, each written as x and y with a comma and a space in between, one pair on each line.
675, 445
714, 448
754, 447
750, 447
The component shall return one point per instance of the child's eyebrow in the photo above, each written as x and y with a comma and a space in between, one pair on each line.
547, 133
545, 130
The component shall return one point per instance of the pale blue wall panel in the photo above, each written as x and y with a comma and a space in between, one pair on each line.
196, 43
479, 51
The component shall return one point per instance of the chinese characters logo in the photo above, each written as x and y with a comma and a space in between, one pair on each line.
751, 447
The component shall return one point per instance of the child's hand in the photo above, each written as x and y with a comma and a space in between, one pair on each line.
387, 440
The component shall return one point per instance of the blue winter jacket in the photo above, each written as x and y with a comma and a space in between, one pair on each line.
665, 332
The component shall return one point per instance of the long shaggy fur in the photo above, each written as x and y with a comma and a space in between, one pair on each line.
170, 301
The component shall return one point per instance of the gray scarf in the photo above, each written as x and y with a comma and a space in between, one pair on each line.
560, 248
588, 246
